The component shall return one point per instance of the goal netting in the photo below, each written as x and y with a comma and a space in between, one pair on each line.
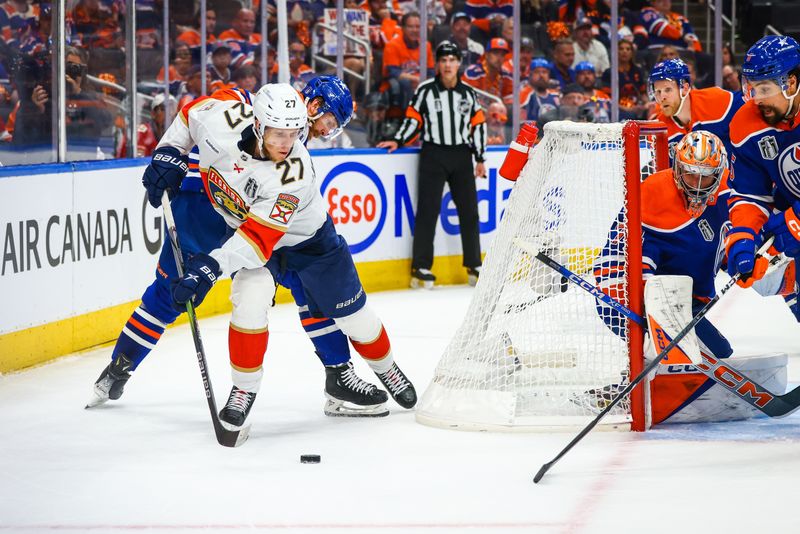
534, 351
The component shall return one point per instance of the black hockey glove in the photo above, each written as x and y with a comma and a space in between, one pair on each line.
201, 272
166, 171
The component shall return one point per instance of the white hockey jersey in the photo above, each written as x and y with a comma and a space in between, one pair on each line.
271, 205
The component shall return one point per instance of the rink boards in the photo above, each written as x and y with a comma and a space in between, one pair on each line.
80, 242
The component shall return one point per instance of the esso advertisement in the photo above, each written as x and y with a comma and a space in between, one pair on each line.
371, 197
357, 203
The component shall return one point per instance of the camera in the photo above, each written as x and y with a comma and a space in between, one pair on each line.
74, 70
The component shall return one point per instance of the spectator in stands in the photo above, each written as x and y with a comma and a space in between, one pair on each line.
179, 66
471, 50
667, 52
664, 27
496, 120
632, 90
150, 131
731, 79
727, 55
30, 122
382, 28
220, 67
526, 52
563, 58
692, 66
299, 72
596, 99
536, 95
586, 77
192, 36
377, 127
488, 74
401, 62
483, 11
88, 117
246, 77
587, 48
241, 38
436, 11
192, 87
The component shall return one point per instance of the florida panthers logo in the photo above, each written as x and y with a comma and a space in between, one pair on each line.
224, 195
789, 166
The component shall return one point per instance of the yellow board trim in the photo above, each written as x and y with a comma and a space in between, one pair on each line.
40, 344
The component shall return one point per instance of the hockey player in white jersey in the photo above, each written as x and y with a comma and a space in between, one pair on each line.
260, 178
330, 108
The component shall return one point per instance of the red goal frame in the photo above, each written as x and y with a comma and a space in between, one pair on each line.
633, 134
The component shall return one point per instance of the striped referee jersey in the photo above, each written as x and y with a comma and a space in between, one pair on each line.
447, 117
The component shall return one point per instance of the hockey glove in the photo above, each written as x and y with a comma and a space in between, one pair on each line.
741, 248
166, 171
785, 226
201, 272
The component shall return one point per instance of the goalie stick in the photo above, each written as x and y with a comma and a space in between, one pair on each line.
734, 381
225, 437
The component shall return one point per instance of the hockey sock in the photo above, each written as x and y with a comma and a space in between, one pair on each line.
247, 349
138, 337
329, 342
377, 353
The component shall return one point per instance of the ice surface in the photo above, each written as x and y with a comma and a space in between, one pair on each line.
149, 462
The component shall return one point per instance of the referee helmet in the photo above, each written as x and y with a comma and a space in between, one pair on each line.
446, 48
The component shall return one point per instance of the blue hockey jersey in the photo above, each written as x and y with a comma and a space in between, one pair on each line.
766, 167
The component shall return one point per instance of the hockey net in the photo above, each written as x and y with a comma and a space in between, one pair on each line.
534, 351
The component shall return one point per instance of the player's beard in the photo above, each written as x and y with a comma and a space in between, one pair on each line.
773, 118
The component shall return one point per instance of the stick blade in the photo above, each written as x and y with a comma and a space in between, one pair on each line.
541, 472
232, 438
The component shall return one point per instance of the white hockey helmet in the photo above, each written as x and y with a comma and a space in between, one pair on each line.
279, 105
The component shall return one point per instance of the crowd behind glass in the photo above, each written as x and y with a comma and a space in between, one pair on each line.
564, 70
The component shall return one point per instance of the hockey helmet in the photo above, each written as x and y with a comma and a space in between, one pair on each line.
446, 48
700, 154
336, 99
772, 58
278, 105
671, 69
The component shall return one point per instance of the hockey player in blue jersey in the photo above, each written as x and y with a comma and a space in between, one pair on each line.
684, 109
330, 108
765, 188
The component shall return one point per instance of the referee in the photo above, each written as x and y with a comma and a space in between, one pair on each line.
453, 131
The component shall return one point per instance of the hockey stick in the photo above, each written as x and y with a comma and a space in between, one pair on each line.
225, 437
734, 381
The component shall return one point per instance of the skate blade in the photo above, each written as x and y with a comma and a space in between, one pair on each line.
96, 400
343, 409
472, 280
420, 284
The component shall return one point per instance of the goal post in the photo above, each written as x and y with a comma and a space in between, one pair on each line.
533, 352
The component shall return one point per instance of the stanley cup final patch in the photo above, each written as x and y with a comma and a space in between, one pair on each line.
768, 146
284, 208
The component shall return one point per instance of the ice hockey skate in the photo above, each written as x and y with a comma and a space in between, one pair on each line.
350, 396
422, 278
400, 387
233, 415
112, 381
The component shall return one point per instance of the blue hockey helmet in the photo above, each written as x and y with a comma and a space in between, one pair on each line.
671, 69
585, 65
336, 99
540, 63
770, 59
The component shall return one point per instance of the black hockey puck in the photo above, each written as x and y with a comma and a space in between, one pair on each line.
310, 458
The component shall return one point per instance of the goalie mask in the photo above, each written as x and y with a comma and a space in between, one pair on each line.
279, 106
700, 164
